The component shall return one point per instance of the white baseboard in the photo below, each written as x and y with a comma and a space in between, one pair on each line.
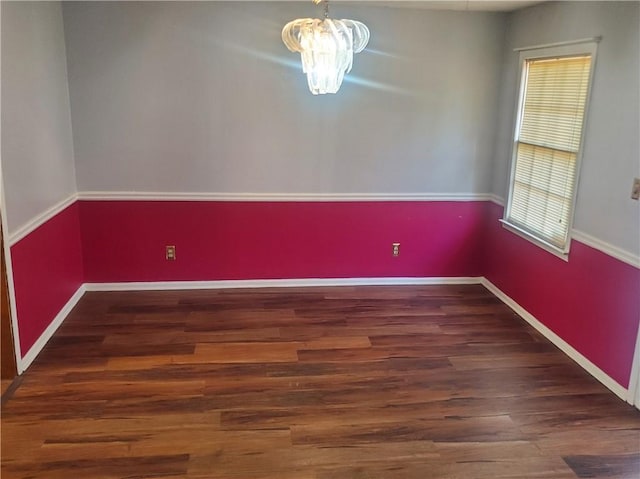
565, 347
634, 381
276, 283
27, 359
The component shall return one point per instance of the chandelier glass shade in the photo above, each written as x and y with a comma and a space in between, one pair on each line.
326, 47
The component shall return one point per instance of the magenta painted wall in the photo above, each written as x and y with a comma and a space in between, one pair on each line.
592, 301
47, 271
125, 240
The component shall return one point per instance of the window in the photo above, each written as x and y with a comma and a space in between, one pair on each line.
554, 92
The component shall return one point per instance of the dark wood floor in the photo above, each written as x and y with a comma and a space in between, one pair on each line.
367, 382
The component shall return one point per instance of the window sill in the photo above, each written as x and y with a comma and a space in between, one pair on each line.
554, 250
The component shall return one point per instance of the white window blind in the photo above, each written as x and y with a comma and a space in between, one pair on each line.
547, 144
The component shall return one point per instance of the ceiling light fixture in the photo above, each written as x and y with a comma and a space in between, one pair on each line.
326, 47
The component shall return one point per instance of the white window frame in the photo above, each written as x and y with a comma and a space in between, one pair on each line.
558, 50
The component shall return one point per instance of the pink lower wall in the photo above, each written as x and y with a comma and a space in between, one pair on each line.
125, 240
592, 301
47, 271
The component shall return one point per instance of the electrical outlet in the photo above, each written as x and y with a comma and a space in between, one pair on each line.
635, 191
170, 253
395, 249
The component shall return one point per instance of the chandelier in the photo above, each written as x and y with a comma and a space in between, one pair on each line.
326, 47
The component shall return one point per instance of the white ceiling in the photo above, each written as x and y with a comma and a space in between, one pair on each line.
460, 5
464, 5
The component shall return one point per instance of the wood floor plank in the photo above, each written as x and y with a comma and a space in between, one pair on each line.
515, 468
337, 342
250, 352
446, 429
393, 382
593, 466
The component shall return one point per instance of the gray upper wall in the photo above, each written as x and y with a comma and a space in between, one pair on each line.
37, 147
205, 97
611, 154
